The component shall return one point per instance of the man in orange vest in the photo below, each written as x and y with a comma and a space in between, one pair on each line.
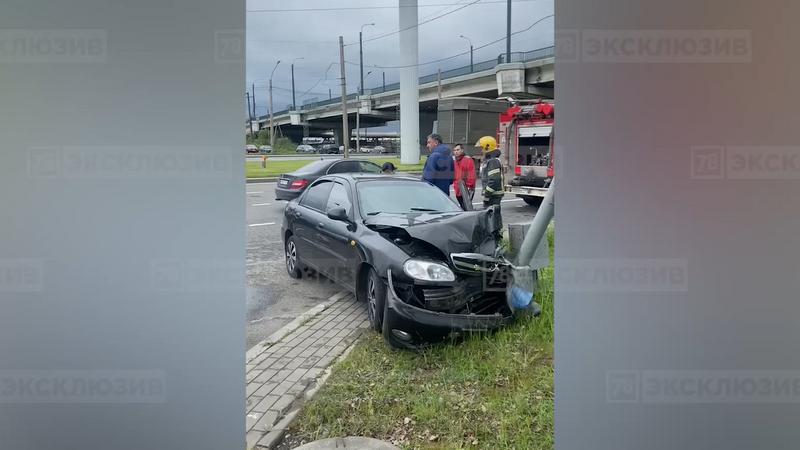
464, 170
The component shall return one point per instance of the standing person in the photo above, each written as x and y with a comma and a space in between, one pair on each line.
464, 170
492, 179
439, 167
491, 172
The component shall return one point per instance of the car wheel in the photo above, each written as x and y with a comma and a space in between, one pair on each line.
293, 266
533, 201
376, 300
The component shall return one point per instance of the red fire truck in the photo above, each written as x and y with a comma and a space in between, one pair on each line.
525, 138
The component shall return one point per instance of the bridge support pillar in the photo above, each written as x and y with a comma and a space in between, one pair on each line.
426, 120
409, 83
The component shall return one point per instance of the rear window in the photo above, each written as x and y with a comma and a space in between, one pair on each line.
314, 167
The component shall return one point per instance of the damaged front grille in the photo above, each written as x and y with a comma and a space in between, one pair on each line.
473, 294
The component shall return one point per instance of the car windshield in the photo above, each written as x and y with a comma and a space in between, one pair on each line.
402, 197
314, 167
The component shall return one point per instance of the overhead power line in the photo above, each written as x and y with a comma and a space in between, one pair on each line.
356, 8
381, 36
457, 55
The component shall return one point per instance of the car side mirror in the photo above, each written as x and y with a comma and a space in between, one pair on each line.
338, 214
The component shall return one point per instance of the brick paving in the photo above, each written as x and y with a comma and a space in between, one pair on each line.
280, 374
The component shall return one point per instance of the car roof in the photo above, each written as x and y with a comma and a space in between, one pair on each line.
363, 176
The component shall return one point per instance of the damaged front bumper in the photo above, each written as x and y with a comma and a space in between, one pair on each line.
411, 327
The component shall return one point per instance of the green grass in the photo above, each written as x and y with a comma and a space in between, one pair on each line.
492, 391
276, 166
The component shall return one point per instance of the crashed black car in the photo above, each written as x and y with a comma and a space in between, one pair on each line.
426, 269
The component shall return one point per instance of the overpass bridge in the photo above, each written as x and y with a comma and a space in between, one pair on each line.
527, 75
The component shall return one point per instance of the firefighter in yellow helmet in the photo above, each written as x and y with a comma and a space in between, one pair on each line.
491, 172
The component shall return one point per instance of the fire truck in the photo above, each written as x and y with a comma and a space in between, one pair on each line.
524, 132
525, 138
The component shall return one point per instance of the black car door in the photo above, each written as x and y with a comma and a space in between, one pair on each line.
335, 236
307, 217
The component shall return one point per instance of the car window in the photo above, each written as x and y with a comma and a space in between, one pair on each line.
369, 167
316, 197
339, 198
312, 168
344, 167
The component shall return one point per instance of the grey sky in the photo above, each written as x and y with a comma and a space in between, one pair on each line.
313, 35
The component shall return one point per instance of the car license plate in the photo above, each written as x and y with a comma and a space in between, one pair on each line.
283, 182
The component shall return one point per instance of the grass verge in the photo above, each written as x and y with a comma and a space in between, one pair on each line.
492, 391
275, 167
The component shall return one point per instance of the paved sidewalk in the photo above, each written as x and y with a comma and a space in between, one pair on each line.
279, 374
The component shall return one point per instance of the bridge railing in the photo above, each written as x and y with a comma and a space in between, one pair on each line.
533, 55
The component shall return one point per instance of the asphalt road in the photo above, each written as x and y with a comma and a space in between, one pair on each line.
273, 298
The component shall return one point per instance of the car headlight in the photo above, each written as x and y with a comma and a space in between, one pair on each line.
428, 270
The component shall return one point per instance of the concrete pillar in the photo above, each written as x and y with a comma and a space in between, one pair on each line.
409, 83
426, 120
337, 136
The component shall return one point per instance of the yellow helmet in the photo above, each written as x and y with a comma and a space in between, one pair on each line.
487, 144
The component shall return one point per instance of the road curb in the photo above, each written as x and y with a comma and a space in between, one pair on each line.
275, 436
287, 329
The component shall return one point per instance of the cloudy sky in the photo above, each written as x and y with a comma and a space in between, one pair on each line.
310, 29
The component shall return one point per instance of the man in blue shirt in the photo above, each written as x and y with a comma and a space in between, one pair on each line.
439, 168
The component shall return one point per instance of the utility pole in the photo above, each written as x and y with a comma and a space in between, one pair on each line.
384, 81
294, 104
361, 56
249, 115
508, 32
345, 131
271, 123
471, 68
330, 95
253, 87
271, 126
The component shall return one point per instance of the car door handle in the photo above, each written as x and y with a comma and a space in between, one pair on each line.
320, 225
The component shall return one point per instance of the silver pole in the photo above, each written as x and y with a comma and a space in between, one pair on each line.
538, 228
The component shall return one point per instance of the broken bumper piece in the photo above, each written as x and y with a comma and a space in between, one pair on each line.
413, 327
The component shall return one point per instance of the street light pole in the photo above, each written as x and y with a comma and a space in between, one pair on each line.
358, 116
345, 131
271, 123
361, 56
470, 52
294, 104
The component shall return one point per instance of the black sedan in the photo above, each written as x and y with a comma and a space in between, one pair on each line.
291, 185
426, 269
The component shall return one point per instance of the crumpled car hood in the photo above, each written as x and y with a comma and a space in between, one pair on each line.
467, 231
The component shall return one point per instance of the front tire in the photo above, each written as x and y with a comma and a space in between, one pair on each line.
376, 300
292, 261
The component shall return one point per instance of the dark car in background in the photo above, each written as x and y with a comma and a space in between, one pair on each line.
291, 185
329, 149
426, 269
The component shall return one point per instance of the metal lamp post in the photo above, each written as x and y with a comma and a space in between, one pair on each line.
294, 104
271, 125
470, 52
361, 55
358, 114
